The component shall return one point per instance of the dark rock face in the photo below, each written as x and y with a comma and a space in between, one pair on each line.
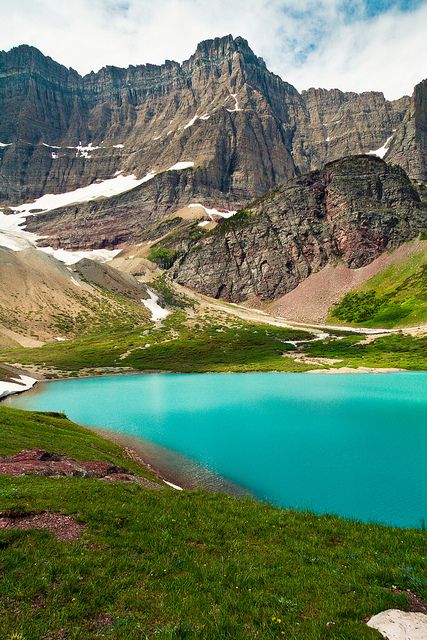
221, 109
341, 124
351, 211
409, 146
245, 129
129, 217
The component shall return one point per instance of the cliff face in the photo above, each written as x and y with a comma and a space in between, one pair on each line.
409, 147
245, 129
351, 211
221, 109
340, 124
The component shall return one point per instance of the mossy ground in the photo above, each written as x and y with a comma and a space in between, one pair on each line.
172, 565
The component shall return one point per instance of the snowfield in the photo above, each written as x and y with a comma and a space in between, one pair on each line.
382, 150
213, 212
103, 189
157, 312
23, 383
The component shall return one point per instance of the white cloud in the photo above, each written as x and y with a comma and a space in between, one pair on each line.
307, 43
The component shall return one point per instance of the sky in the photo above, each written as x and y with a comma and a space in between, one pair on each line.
358, 45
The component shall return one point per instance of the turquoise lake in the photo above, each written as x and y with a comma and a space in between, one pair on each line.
353, 445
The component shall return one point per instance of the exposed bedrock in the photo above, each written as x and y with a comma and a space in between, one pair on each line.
351, 211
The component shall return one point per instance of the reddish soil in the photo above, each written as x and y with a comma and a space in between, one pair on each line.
45, 463
64, 528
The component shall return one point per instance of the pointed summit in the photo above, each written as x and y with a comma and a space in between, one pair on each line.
224, 47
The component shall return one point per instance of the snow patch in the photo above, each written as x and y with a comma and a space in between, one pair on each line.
50, 146
382, 150
327, 139
5, 144
213, 212
23, 383
106, 188
157, 312
181, 165
71, 257
204, 223
236, 103
84, 151
54, 156
119, 146
205, 116
12, 236
12, 227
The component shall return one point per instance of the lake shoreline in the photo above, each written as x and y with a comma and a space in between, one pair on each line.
142, 452
144, 372
269, 433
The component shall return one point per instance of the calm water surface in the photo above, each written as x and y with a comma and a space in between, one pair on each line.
354, 445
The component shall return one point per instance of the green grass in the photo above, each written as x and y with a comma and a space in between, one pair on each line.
205, 345
397, 296
188, 565
210, 344
54, 432
396, 351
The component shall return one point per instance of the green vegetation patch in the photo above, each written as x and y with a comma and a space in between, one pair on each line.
394, 351
204, 344
240, 218
162, 256
395, 297
54, 432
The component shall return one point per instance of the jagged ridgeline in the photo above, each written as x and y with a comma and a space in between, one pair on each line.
245, 129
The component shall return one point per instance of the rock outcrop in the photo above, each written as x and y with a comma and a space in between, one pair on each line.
350, 211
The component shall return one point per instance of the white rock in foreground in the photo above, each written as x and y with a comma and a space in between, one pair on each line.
23, 383
394, 624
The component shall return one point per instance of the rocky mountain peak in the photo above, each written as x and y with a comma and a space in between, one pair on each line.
223, 47
350, 212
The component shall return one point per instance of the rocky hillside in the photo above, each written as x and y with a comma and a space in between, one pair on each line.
42, 299
349, 212
245, 129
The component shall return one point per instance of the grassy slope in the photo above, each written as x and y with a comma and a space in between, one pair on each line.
400, 297
54, 432
212, 344
173, 565
204, 345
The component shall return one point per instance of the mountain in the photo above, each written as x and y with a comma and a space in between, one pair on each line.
349, 212
165, 146
409, 146
242, 128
